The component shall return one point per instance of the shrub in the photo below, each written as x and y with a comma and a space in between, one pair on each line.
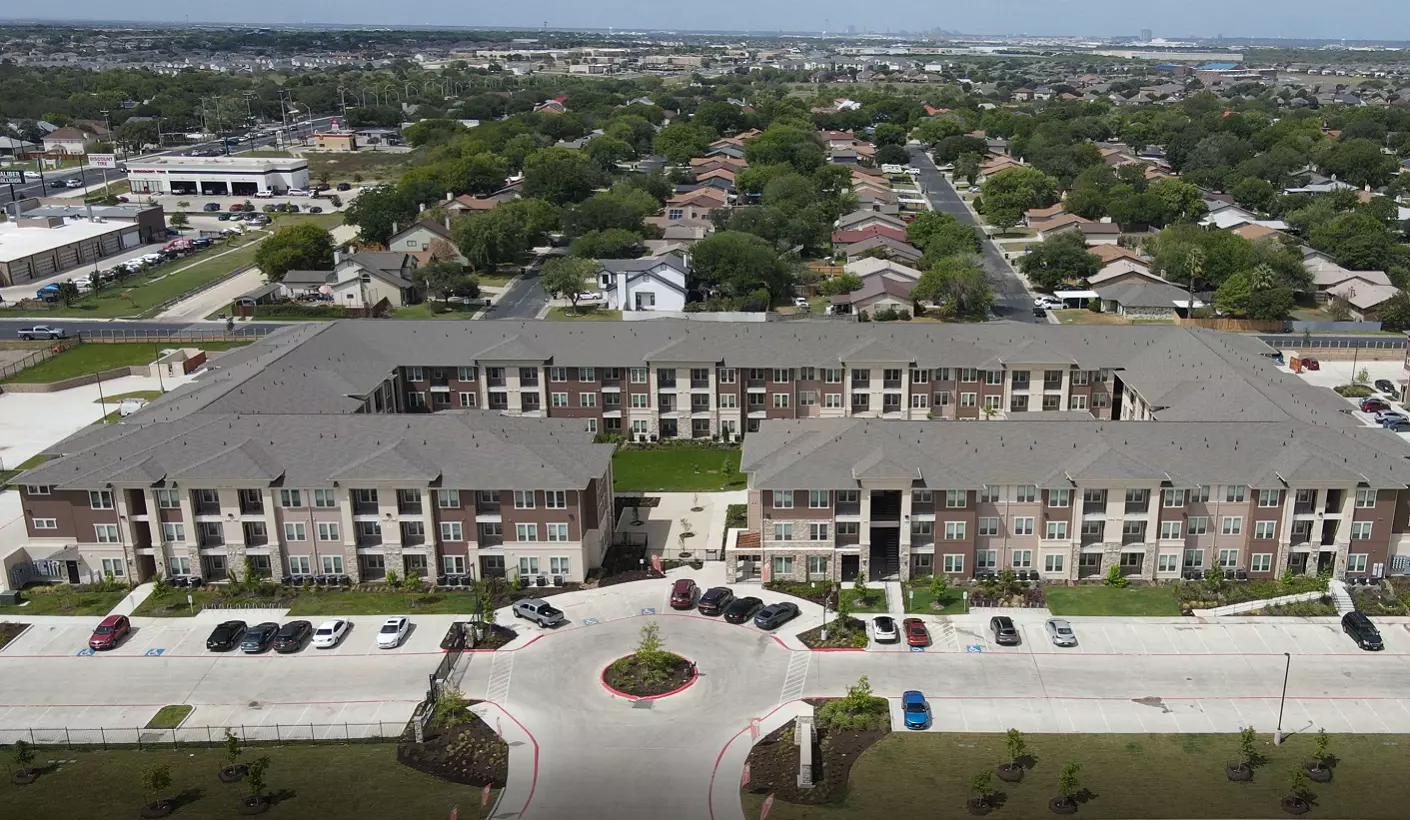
858, 710
452, 709
1114, 578
1354, 391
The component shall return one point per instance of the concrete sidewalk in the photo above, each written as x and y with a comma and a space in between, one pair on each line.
203, 303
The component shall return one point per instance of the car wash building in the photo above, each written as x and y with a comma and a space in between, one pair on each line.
217, 176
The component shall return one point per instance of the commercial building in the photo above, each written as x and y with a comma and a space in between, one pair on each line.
1254, 468
216, 176
335, 141
39, 241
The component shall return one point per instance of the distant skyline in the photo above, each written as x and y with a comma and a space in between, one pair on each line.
1352, 19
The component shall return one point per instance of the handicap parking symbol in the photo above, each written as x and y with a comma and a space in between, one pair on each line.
155, 653
917, 649
590, 622
650, 610
85, 652
974, 647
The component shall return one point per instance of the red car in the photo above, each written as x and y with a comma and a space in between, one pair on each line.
112, 630
1311, 364
1373, 405
236, 208
683, 594
916, 633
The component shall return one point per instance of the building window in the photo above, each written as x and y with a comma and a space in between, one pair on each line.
832, 400
1197, 525
923, 528
1167, 562
452, 531
557, 374
1136, 497
817, 499
1023, 525
1056, 531
1268, 498
986, 559
1360, 530
557, 399
414, 374
168, 499
114, 567
1199, 495
467, 399
1228, 559
817, 532
1077, 403
847, 528
555, 499
466, 374
1059, 498
1356, 562
526, 532
179, 566
1023, 559
37, 489
324, 498
106, 533
173, 533
729, 401
100, 499
587, 374
783, 499
300, 565
1365, 498
727, 375
952, 562
1261, 562
783, 565
557, 532
328, 531
295, 531
1265, 529
817, 565
528, 565
1173, 498
332, 564
1170, 530
1026, 493
990, 493
989, 526
1233, 525
954, 499
448, 499
523, 499
416, 401
453, 564
1052, 563
44, 523
780, 399
783, 532
1194, 559
639, 375
1235, 492
919, 401
291, 499
954, 530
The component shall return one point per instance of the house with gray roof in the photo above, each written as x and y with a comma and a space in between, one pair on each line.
654, 283
365, 280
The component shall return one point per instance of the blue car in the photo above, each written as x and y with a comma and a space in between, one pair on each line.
915, 709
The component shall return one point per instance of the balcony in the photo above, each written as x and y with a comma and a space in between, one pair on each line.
1132, 538
440, 380
699, 384
369, 539
1304, 507
1091, 538
412, 536
364, 506
529, 381
848, 508
251, 506
1094, 507
860, 405
491, 537
1136, 507
609, 380
1020, 383
885, 505
256, 536
210, 538
529, 402
408, 507
1333, 502
891, 384
666, 403
758, 383
700, 406
861, 383
204, 507
483, 508
666, 382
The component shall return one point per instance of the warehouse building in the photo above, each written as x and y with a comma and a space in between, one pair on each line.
44, 240
217, 176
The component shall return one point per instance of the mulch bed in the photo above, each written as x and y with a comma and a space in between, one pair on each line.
9, 630
495, 637
622, 502
855, 636
624, 675
807, 592
470, 753
630, 575
773, 764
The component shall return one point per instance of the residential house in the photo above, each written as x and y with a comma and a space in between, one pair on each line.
847, 237
860, 219
1124, 271
1038, 217
467, 204
70, 141
1111, 253
557, 105
879, 291
654, 283
424, 238
885, 245
869, 265
695, 205
13, 147
1144, 299
1361, 298
364, 280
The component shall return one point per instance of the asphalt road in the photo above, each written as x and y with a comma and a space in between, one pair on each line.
1011, 299
525, 297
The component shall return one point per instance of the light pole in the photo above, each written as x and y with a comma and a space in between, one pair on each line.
1287, 668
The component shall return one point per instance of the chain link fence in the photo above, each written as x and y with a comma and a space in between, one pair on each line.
105, 738
161, 335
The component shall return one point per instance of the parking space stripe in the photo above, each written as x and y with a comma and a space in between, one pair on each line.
796, 677
501, 672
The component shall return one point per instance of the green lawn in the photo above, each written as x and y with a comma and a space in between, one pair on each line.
681, 469
435, 310
919, 599
351, 782
383, 603
358, 168
157, 605
135, 394
584, 313
495, 280
1130, 777
264, 152
872, 600
95, 357
61, 600
28, 464
169, 717
327, 221
1105, 600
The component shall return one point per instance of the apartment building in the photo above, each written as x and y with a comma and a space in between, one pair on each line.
834, 499
471, 494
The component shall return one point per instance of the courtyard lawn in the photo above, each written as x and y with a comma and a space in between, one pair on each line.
1105, 600
919, 599
335, 602
169, 717
435, 310
135, 394
350, 782
583, 313
94, 357
28, 464
1131, 777
61, 600
872, 599
679, 469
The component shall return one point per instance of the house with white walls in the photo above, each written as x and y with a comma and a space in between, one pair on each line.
653, 283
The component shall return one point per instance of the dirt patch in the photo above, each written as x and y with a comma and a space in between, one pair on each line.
10, 630
632, 575
469, 753
629, 675
773, 764
494, 637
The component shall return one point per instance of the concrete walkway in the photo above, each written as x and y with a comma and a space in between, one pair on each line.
895, 598
203, 303
518, 789
133, 600
1340, 597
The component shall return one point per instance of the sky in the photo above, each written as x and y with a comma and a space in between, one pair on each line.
1351, 19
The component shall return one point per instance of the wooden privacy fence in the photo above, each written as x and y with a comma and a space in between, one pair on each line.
1243, 325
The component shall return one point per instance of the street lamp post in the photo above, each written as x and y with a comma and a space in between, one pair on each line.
1287, 668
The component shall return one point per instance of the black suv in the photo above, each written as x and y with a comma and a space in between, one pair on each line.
715, 599
743, 609
1005, 633
226, 636
1361, 630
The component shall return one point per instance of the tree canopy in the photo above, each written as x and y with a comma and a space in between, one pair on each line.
297, 247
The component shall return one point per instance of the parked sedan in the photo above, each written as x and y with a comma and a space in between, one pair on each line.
916, 633
683, 593
1005, 633
883, 629
1374, 405
915, 709
715, 599
226, 636
1311, 364
259, 637
742, 609
110, 632
1060, 632
292, 637
330, 633
393, 632
775, 615
1387, 386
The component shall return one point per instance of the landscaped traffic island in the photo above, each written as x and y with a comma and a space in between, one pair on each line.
650, 672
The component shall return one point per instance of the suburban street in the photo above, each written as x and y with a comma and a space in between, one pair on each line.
1011, 298
524, 299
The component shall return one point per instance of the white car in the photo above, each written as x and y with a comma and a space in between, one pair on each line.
589, 296
974, 189
800, 302
330, 633
296, 192
73, 183
392, 632
127, 407
264, 195
1061, 633
884, 629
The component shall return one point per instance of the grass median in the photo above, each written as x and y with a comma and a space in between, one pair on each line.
63, 600
1105, 600
676, 468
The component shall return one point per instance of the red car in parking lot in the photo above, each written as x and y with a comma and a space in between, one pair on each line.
683, 594
916, 633
110, 632
1374, 405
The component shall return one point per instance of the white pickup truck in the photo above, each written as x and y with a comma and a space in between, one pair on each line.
43, 332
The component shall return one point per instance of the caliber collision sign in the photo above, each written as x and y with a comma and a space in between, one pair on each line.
102, 160
12, 177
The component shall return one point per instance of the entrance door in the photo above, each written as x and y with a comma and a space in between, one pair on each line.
1297, 562
1326, 561
73, 571
851, 565
215, 568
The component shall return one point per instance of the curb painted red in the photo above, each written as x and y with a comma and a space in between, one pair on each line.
534, 782
710, 795
526, 645
602, 679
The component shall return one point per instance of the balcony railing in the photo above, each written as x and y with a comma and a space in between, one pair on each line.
369, 540
1304, 508
206, 508
497, 381
256, 538
1136, 507
1090, 539
413, 539
1052, 384
1094, 507
251, 507
666, 382
408, 507
364, 507
1129, 538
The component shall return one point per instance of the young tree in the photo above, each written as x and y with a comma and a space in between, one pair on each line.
23, 754
447, 279
298, 247
1068, 784
982, 785
156, 780
254, 780
838, 285
568, 277
179, 221
939, 585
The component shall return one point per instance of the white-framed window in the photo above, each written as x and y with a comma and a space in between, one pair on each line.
783, 499
1172, 498
558, 565
729, 401
116, 567
1078, 402
832, 375
415, 374
100, 499
1356, 562
448, 499
1261, 562
955, 499
986, 559
923, 528
1167, 562
728, 375
416, 401
526, 532
555, 499
783, 532
832, 400
817, 532
558, 374
44, 523
817, 564
1236, 493
640, 401
782, 375
1360, 530
1080, 377
967, 399
941, 398
365, 496
1233, 525
993, 402
807, 398
783, 565
780, 399
328, 531
1198, 495
587, 374
919, 401
332, 564
1171, 530
173, 532
1060, 498
1135, 496
1194, 559
557, 532
452, 531
639, 375
37, 489
528, 565
324, 498
1056, 531
523, 499
453, 564
993, 377
1026, 493
587, 399
1365, 498
1022, 559
817, 499
295, 531
952, 562
1053, 562
1268, 498
1023, 525
847, 528
1265, 529
178, 566
640, 427
954, 530
1228, 559
557, 399
989, 526
300, 565
1197, 525
168, 499
106, 533
990, 493
291, 499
